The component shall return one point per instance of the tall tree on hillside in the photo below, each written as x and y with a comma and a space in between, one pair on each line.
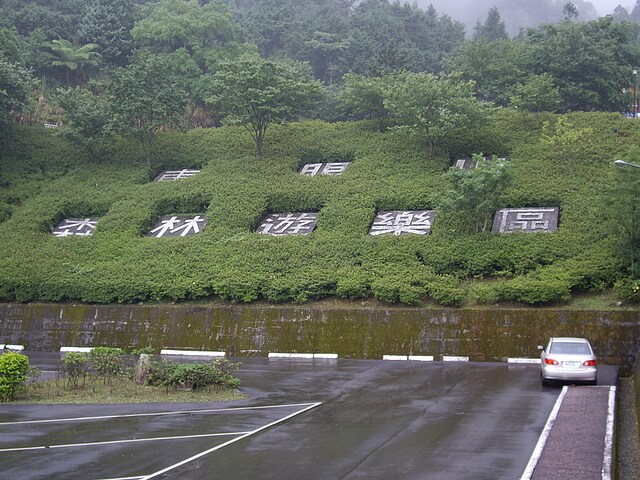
389, 37
537, 94
147, 95
207, 31
15, 86
108, 24
493, 27
89, 122
363, 97
496, 67
634, 16
589, 61
434, 107
623, 209
75, 60
478, 193
621, 14
570, 11
255, 93
328, 46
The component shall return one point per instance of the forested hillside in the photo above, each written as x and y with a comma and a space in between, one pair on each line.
563, 162
100, 97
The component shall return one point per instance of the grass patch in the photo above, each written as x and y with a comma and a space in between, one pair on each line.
118, 390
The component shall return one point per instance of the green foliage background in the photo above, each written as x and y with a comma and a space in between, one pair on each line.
44, 179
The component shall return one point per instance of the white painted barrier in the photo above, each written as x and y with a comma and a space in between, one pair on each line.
76, 349
325, 356
279, 355
192, 353
417, 358
310, 356
394, 357
523, 360
451, 358
421, 358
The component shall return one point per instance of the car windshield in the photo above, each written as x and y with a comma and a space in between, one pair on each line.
575, 348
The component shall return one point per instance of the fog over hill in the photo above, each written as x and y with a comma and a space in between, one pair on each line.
519, 14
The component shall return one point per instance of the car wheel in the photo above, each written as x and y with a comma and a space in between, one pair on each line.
545, 382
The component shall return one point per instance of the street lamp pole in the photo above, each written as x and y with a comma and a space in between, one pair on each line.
633, 228
635, 91
622, 163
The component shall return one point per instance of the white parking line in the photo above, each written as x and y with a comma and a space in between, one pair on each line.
537, 452
123, 478
206, 452
151, 414
111, 442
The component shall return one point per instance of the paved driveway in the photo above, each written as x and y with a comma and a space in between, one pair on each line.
344, 419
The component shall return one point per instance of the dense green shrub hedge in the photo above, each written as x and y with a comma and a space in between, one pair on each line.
43, 180
14, 372
191, 376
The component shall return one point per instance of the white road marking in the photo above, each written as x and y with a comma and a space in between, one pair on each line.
123, 478
608, 438
151, 414
206, 452
111, 442
537, 452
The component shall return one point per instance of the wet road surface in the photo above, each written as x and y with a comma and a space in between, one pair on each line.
344, 419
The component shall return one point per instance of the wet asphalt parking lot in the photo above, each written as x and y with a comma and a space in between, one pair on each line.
312, 419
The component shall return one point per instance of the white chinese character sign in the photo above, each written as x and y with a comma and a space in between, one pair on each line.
331, 168
526, 220
172, 175
178, 226
465, 164
75, 226
288, 224
401, 222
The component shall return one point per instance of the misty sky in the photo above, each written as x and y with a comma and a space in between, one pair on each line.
605, 7
522, 14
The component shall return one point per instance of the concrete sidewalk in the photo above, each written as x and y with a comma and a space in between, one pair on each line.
577, 442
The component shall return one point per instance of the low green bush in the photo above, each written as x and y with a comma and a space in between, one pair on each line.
106, 360
353, 283
14, 370
628, 289
73, 369
191, 376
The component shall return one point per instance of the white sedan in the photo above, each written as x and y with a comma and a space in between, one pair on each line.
568, 359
